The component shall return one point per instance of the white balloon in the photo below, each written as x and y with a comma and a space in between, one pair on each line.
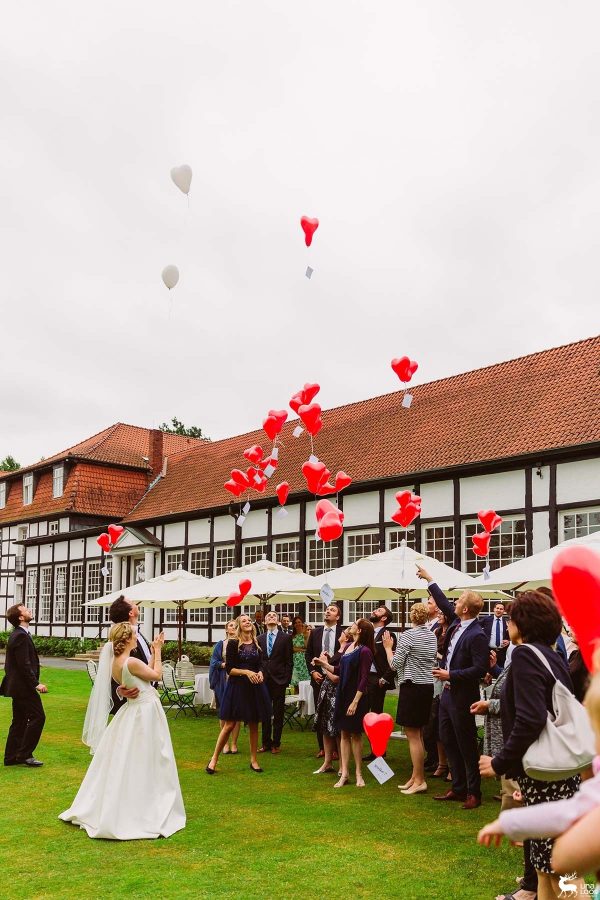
170, 276
182, 177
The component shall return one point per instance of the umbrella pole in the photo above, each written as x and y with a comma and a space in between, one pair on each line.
179, 627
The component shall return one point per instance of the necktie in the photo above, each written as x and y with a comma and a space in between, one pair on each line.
498, 641
270, 642
326, 641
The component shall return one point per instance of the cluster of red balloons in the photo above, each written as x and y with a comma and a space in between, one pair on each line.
481, 541
329, 521
308, 412
316, 474
109, 537
405, 368
409, 508
235, 597
256, 476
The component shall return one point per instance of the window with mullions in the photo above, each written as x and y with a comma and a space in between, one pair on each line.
173, 561
224, 559
395, 536
58, 478
76, 592
254, 553
360, 544
60, 593
362, 609
45, 593
31, 588
507, 545
27, 489
321, 556
199, 565
92, 613
579, 523
287, 553
108, 581
438, 542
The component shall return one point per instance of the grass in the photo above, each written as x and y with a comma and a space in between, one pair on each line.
284, 834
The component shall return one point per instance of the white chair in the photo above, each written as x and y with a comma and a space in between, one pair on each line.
184, 671
92, 669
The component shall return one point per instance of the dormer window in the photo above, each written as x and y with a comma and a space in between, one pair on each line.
58, 478
2, 495
27, 489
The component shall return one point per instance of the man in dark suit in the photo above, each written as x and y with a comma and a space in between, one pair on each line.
496, 631
22, 683
123, 610
323, 638
382, 678
258, 622
465, 662
277, 665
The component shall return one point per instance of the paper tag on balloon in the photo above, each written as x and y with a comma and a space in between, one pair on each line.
312, 458
240, 520
298, 430
268, 470
275, 453
326, 594
486, 573
257, 479
246, 508
407, 400
380, 770
104, 570
281, 512
309, 272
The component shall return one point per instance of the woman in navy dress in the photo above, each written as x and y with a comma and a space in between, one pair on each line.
217, 679
245, 698
351, 700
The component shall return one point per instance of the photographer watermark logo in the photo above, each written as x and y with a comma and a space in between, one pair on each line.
567, 889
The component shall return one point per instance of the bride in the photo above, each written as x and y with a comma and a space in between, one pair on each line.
131, 789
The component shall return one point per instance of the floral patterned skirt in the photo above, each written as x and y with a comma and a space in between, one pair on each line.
535, 792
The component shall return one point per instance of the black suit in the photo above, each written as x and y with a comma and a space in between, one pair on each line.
117, 702
488, 623
382, 670
314, 647
468, 665
22, 667
277, 672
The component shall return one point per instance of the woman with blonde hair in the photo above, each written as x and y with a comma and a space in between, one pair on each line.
116, 801
414, 659
217, 680
245, 698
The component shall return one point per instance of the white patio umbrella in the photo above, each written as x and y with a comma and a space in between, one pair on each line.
269, 581
532, 571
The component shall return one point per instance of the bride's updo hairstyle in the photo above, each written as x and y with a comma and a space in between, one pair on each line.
120, 635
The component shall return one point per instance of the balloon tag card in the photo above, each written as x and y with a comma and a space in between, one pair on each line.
281, 512
486, 573
268, 470
326, 594
298, 430
312, 458
104, 570
309, 272
240, 520
246, 508
407, 401
275, 453
380, 770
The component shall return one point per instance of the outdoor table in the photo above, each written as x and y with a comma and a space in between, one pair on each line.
204, 695
306, 697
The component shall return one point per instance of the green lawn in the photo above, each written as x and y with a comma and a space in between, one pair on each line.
284, 834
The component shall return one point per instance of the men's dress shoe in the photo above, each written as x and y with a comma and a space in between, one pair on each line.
450, 795
32, 763
12, 762
275, 749
472, 802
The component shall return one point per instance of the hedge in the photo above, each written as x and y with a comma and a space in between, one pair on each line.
198, 654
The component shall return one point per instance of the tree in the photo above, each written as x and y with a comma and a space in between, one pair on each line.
177, 427
9, 464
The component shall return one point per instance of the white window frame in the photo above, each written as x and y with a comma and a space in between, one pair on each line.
2, 494
444, 556
362, 609
320, 556
350, 536
394, 537
174, 559
199, 565
31, 583
45, 594
76, 575
28, 489
23, 533
228, 551
474, 565
282, 554
60, 592
53, 527
58, 480
253, 551
93, 590
578, 529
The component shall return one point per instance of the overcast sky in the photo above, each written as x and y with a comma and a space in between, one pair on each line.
450, 150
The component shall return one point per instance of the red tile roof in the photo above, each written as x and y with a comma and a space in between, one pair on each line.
545, 401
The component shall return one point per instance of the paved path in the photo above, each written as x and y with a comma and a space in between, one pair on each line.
77, 665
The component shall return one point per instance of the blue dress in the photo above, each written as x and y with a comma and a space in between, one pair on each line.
353, 670
242, 700
217, 676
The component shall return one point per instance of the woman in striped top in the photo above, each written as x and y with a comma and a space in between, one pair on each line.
414, 660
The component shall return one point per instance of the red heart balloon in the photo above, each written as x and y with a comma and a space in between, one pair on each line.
342, 481
489, 519
576, 586
234, 598
240, 478
104, 542
115, 532
309, 226
261, 486
315, 473
271, 427
296, 401
407, 514
282, 490
404, 497
481, 543
268, 460
279, 414
254, 454
233, 487
309, 414
325, 488
309, 392
325, 506
378, 727
404, 368
330, 527
245, 587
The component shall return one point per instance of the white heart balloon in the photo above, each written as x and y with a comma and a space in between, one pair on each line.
170, 276
182, 177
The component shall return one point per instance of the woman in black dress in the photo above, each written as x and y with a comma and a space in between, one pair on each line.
245, 698
325, 709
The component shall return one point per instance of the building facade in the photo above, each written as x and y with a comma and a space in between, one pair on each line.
522, 437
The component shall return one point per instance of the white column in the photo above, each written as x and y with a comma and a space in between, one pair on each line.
116, 573
148, 564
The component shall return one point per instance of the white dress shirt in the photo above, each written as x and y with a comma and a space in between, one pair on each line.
329, 639
455, 639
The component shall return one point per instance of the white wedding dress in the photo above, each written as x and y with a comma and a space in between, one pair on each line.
131, 789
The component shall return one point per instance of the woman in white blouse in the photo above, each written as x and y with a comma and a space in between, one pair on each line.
414, 660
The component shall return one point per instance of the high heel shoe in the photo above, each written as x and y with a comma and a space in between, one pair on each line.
416, 789
360, 782
323, 771
256, 770
440, 772
210, 771
341, 782
404, 787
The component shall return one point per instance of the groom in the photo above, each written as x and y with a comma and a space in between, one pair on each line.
22, 683
124, 611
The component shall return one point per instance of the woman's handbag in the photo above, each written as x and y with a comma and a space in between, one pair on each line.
567, 743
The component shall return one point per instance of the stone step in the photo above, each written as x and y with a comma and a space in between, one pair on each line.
93, 654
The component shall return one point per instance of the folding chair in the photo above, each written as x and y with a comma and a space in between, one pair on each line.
291, 715
184, 672
92, 669
180, 697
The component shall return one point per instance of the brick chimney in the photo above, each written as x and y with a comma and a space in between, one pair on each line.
156, 452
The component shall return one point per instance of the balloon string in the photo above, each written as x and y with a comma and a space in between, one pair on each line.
404, 552
312, 446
